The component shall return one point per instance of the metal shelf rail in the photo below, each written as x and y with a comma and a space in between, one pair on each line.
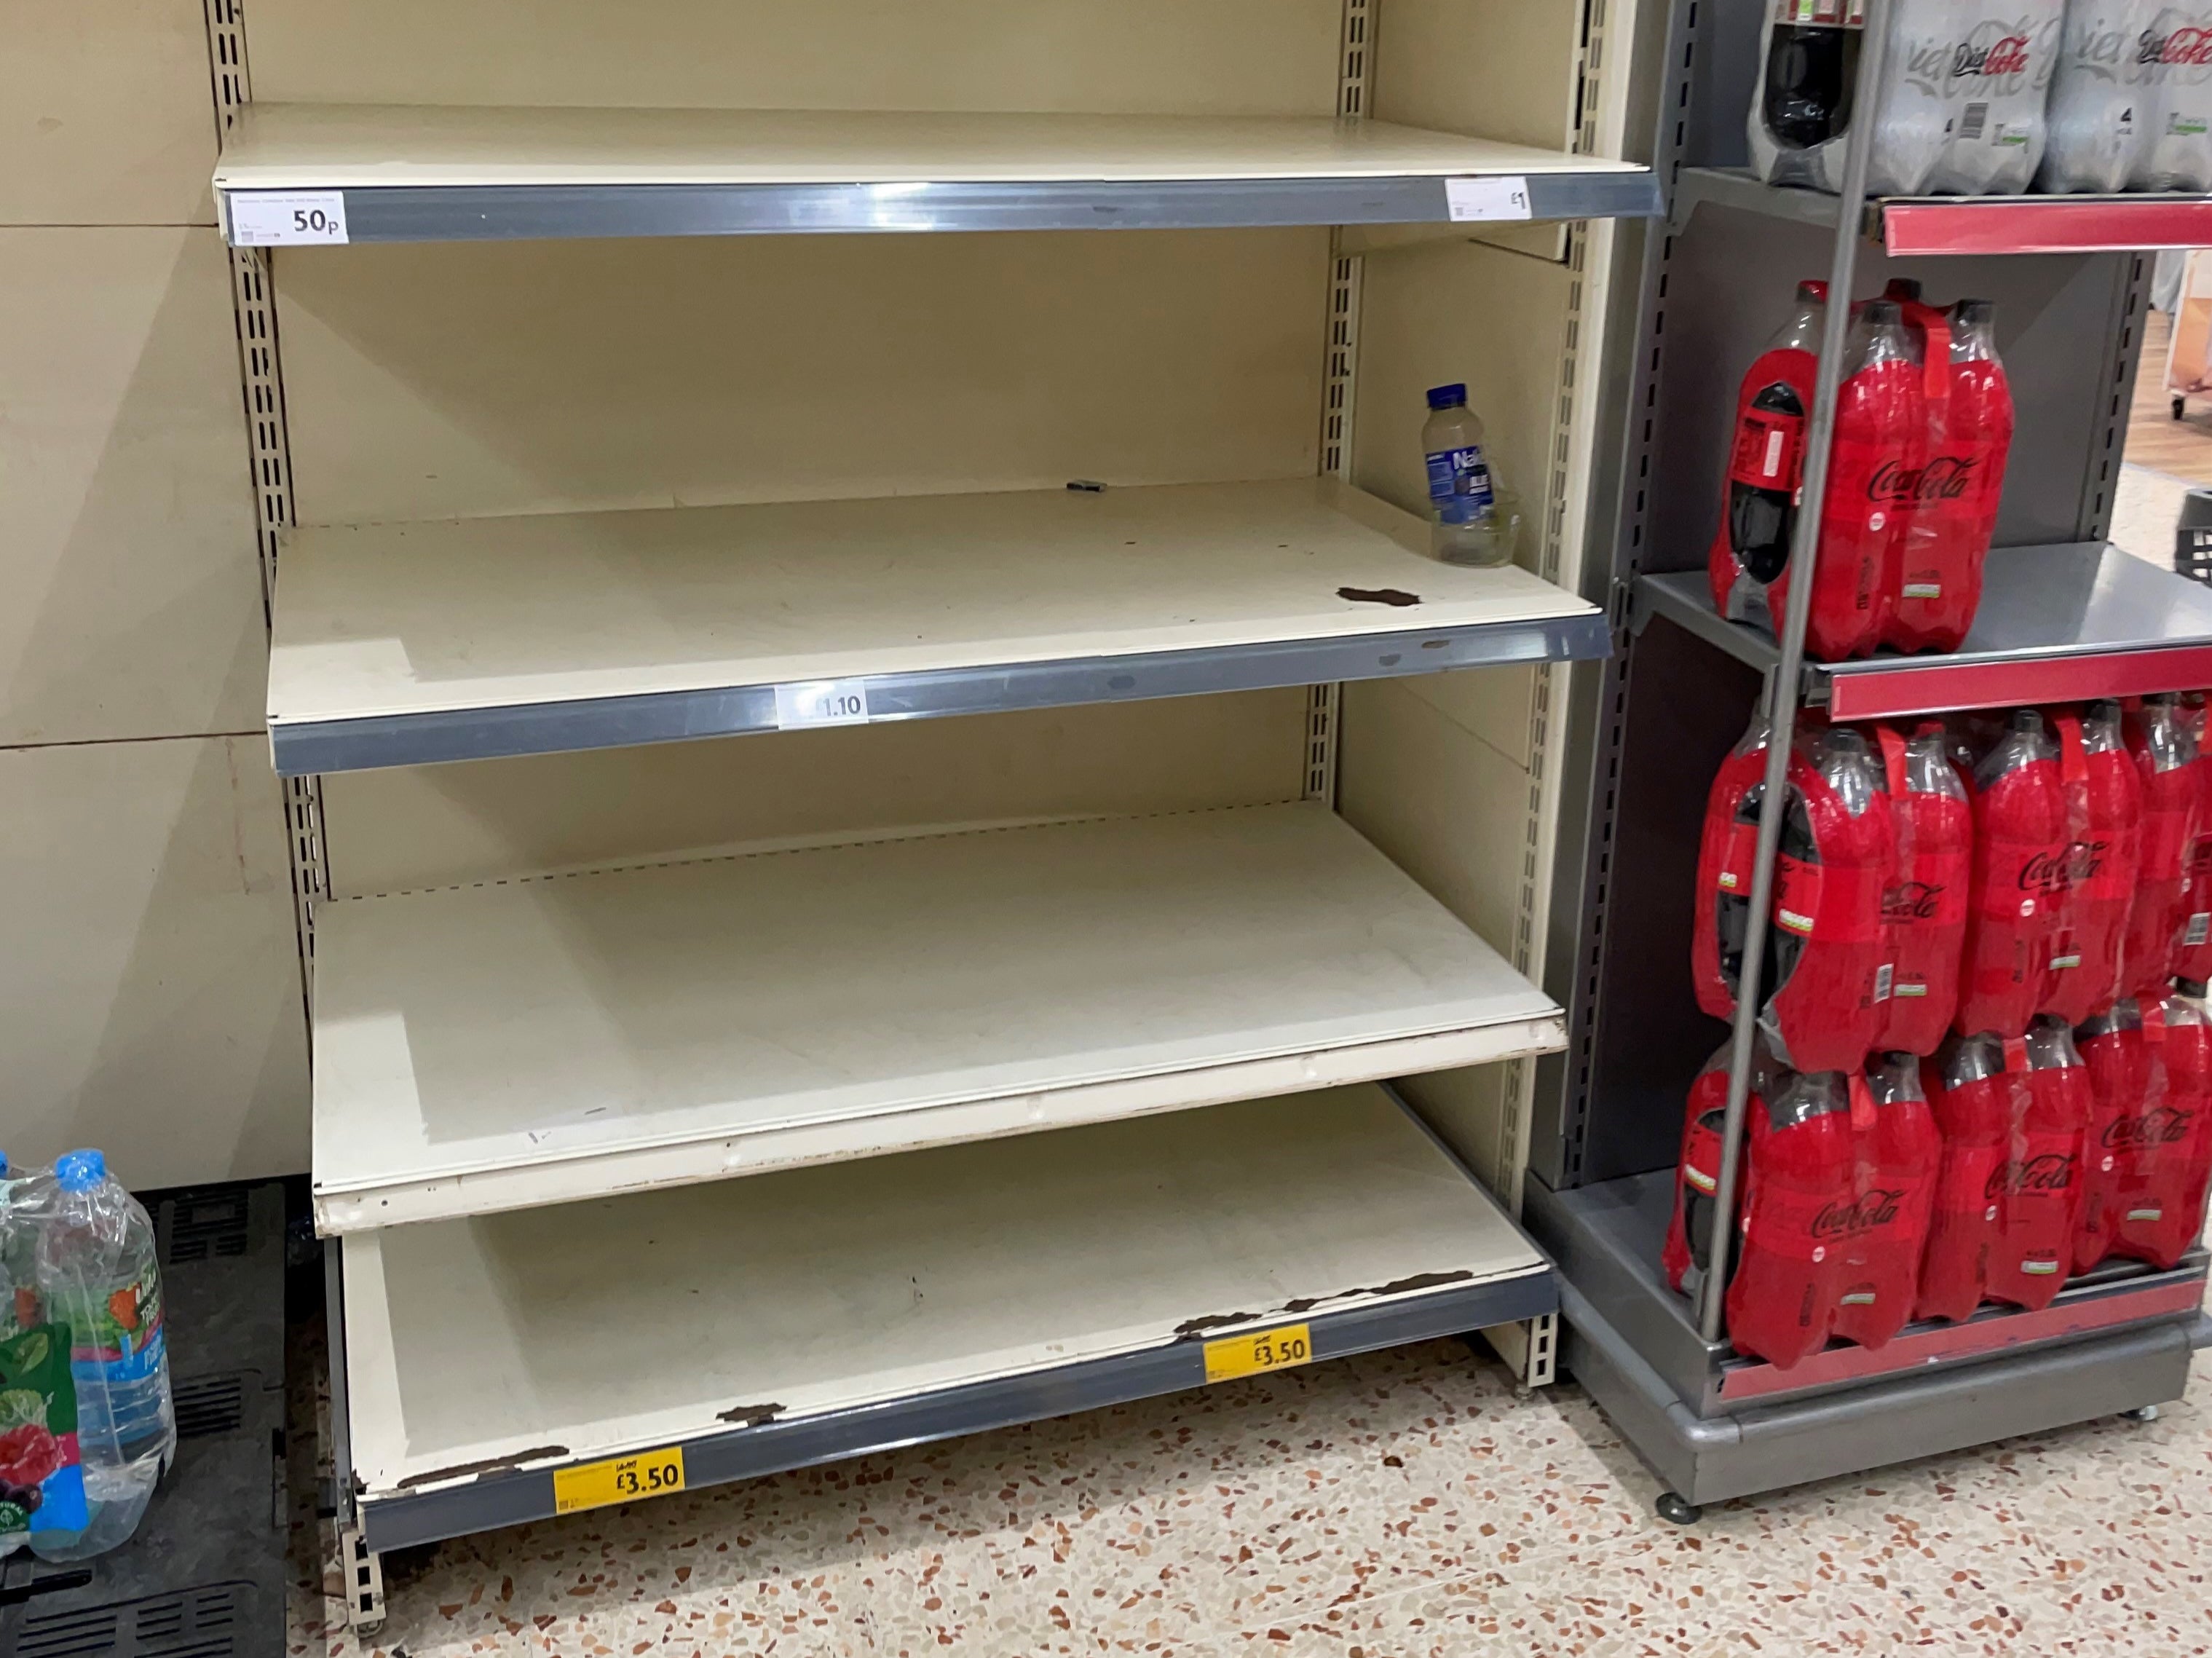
334, 173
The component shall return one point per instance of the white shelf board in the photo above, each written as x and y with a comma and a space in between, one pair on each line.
537, 1042
555, 1336
366, 146
406, 642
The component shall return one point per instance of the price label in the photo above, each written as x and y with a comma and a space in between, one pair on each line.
1472, 199
618, 1479
1249, 1354
822, 703
287, 218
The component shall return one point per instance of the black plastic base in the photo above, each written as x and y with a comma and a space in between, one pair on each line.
204, 1574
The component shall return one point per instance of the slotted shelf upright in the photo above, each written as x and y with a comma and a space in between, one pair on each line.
1102, 953
2064, 616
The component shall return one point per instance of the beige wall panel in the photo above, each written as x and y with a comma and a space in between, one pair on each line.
1449, 810
1445, 311
107, 113
127, 549
149, 992
1467, 1108
433, 381
1497, 69
1193, 57
425, 826
1458, 311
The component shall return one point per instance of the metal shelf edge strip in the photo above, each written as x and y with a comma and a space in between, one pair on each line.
412, 212
511, 1498
305, 747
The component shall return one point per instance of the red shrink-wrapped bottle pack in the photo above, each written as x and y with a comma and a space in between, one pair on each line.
2012, 1112
2147, 1158
1923, 431
1839, 1183
1924, 907
2021, 848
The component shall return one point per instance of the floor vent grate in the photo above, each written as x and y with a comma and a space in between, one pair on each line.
196, 1623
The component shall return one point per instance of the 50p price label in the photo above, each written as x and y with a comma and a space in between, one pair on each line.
822, 702
287, 218
618, 1479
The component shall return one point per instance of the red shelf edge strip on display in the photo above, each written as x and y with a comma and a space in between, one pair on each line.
1934, 1344
2047, 224
1925, 685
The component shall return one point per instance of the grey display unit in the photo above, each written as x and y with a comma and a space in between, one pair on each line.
2065, 617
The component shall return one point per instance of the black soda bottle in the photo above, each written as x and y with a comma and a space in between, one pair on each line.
1812, 62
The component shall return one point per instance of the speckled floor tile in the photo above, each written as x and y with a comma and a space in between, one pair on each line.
1394, 1504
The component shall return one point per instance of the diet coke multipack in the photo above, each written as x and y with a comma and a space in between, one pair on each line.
1960, 106
2131, 103
1924, 428
1983, 1061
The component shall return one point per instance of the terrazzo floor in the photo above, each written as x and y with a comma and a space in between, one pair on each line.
1400, 1503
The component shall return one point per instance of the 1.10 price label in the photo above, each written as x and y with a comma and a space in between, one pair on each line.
822, 702
1255, 1351
618, 1479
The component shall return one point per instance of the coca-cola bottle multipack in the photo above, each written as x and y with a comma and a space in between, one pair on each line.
2165, 759
2015, 909
2104, 814
1767, 464
1879, 448
1960, 109
1924, 907
1966, 408
1724, 858
2147, 1158
2192, 956
2012, 1112
1836, 1204
1827, 941
2131, 102
1686, 1256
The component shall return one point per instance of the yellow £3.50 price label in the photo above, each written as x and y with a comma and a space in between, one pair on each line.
618, 1479
1258, 1349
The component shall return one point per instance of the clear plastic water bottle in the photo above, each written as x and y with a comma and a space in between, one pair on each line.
97, 1273
1471, 524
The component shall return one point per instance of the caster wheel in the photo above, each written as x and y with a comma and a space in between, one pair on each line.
2142, 1414
1675, 1511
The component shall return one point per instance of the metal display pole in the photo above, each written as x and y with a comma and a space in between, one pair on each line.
1783, 696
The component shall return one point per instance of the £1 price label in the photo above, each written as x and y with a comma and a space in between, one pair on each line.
618, 1479
287, 218
1470, 200
822, 702
1259, 1350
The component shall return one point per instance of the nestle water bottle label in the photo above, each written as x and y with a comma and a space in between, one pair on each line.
1469, 200
1459, 485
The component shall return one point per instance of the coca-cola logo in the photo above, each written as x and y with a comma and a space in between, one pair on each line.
1916, 901
2053, 1171
1944, 479
2052, 872
1849, 1217
2159, 1126
2182, 46
2007, 56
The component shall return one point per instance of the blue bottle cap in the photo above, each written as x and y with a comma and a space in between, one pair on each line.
80, 1171
1447, 396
